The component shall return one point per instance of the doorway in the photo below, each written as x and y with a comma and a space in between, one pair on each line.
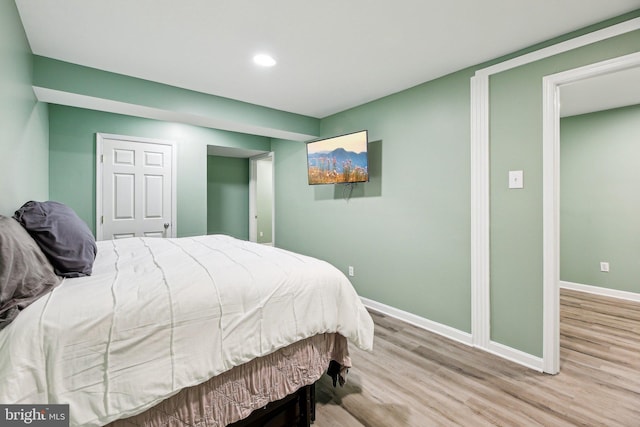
262, 199
551, 194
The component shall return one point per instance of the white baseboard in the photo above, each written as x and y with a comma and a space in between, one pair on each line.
516, 356
606, 292
497, 349
421, 322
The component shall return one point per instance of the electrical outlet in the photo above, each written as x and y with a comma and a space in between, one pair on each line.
351, 272
604, 267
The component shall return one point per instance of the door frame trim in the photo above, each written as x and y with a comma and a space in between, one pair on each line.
99, 171
253, 224
551, 193
481, 200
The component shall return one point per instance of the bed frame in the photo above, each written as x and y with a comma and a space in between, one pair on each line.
297, 409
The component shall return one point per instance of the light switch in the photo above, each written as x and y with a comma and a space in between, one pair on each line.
516, 179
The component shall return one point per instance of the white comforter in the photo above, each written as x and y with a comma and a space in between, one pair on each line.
158, 315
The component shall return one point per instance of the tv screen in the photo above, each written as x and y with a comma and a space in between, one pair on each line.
339, 159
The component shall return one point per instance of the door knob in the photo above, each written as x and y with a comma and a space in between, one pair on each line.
166, 225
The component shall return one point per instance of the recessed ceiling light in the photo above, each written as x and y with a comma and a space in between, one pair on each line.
264, 60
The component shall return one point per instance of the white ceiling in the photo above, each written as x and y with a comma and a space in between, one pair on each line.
332, 54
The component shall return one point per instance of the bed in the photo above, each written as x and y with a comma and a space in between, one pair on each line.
189, 331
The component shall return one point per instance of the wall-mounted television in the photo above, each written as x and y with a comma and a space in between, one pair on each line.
339, 159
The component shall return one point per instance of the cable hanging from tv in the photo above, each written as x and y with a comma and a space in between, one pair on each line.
349, 186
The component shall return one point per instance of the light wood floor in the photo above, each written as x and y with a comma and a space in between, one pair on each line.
416, 378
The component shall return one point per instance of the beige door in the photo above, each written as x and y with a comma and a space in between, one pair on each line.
261, 200
136, 188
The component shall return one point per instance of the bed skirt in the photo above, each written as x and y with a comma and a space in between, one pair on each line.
235, 394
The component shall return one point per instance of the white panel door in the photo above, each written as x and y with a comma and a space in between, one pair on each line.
136, 189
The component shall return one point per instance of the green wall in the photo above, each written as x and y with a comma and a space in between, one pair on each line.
407, 231
72, 166
228, 196
24, 138
516, 215
599, 198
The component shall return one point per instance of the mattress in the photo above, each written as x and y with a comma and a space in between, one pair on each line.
159, 315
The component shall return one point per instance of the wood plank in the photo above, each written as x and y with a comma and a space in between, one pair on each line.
417, 378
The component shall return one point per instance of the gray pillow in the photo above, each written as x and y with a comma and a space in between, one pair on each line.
25, 272
63, 237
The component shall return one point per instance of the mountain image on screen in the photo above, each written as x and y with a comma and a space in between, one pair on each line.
337, 166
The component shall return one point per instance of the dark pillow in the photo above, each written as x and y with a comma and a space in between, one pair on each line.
25, 272
63, 237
